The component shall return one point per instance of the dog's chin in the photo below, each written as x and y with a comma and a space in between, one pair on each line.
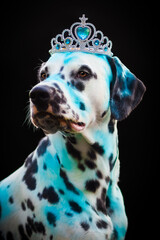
50, 123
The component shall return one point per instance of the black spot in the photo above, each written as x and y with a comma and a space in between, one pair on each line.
95, 75
36, 226
61, 69
115, 234
99, 174
30, 223
98, 148
44, 143
58, 87
108, 202
68, 184
30, 204
55, 107
87, 203
28, 160
111, 162
81, 167
40, 227
85, 226
103, 195
92, 185
51, 237
107, 179
111, 125
90, 164
61, 191
49, 194
22, 232
58, 159
80, 86
72, 151
101, 206
103, 114
91, 153
28, 230
106, 236
23, 206
44, 166
95, 210
11, 200
68, 214
46, 69
57, 99
101, 224
62, 76
28, 176
51, 219
39, 196
9, 236
75, 207
73, 82
82, 106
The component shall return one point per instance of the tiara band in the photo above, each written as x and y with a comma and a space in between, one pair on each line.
82, 37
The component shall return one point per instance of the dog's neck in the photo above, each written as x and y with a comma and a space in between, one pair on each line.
88, 156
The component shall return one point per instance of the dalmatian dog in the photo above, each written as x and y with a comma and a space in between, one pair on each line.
67, 188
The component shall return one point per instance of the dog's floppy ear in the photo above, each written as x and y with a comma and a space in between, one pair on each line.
126, 90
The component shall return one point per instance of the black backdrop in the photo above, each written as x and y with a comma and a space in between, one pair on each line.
27, 30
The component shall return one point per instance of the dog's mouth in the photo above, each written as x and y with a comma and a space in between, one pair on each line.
50, 123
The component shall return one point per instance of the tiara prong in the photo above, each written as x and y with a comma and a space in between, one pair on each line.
81, 36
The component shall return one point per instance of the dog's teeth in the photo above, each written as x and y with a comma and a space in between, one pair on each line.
80, 124
77, 126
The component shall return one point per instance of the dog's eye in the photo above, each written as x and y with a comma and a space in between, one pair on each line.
43, 75
82, 74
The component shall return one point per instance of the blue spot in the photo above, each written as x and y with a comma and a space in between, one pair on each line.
82, 106
51, 218
5, 207
69, 57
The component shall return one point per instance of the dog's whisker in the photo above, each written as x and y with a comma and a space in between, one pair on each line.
27, 118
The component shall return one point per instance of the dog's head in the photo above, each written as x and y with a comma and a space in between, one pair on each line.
77, 90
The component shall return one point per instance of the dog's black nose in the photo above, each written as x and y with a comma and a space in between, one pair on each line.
40, 97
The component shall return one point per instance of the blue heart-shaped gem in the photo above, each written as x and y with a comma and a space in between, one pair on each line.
83, 32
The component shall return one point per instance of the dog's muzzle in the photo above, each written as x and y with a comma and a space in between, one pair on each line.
50, 110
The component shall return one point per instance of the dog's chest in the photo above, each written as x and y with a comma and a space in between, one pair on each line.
63, 214
60, 198
74, 198
55, 209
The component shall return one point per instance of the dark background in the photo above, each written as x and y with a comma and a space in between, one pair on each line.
27, 28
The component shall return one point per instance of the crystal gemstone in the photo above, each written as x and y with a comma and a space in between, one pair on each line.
67, 41
57, 46
96, 42
83, 32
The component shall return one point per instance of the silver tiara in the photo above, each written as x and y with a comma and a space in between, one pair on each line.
83, 37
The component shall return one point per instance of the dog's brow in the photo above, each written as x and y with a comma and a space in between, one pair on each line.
85, 68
